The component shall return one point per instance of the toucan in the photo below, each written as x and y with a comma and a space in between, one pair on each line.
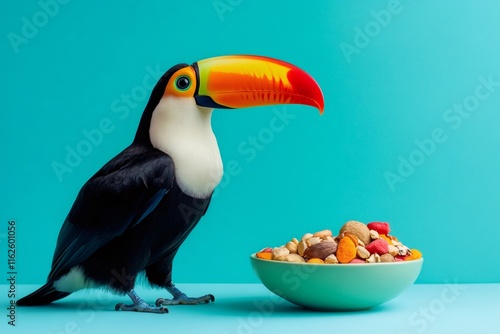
132, 216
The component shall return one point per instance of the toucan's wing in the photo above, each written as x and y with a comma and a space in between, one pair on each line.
115, 199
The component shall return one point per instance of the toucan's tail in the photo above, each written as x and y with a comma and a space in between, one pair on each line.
45, 295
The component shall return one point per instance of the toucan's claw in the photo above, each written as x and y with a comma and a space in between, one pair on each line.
142, 307
139, 305
180, 298
185, 300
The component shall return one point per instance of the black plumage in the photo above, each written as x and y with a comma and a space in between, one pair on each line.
131, 216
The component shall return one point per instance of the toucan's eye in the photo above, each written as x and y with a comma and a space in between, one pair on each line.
183, 83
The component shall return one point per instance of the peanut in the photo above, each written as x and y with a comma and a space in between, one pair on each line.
279, 253
306, 236
393, 250
312, 241
294, 258
323, 234
331, 259
292, 247
374, 235
301, 248
328, 239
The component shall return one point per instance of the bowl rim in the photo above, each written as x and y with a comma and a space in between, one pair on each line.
254, 256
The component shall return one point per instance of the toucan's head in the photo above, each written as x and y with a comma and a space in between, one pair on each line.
244, 81
231, 82
178, 115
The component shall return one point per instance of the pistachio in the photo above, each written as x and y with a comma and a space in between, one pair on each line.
402, 250
393, 250
374, 258
362, 252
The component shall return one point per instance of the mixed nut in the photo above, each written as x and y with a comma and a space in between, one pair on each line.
355, 243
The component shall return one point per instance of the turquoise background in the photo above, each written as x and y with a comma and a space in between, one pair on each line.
390, 83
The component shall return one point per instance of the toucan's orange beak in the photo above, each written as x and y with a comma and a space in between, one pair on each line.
249, 81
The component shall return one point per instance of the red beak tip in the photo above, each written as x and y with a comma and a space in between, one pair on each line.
321, 107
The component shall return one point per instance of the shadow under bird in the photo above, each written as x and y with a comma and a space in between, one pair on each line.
132, 216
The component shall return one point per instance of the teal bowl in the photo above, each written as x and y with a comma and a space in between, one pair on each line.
336, 287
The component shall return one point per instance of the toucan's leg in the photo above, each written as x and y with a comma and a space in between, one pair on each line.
139, 305
181, 298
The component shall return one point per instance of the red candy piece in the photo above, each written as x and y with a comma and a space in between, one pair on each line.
356, 260
380, 227
379, 246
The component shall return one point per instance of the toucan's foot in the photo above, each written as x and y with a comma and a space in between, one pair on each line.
139, 305
143, 307
180, 298
185, 300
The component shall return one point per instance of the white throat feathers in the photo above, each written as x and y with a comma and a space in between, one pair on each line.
183, 130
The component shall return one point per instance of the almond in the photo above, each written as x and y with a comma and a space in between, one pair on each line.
320, 250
